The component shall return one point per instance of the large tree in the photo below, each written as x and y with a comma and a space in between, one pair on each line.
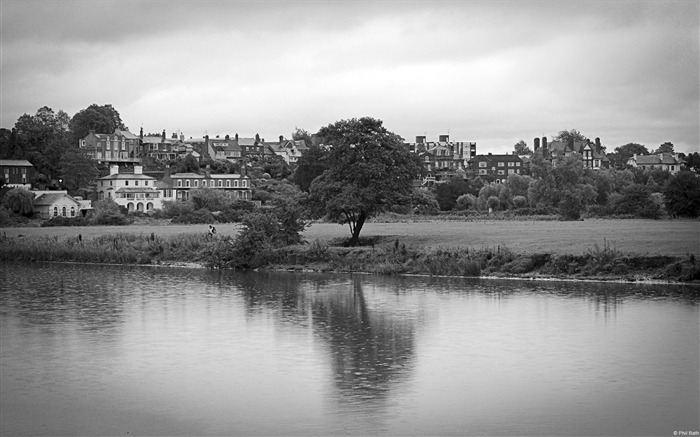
310, 165
368, 171
102, 119
78, 170
682, 194
41, 138
301, 134
666, 147
622, 154
566, 135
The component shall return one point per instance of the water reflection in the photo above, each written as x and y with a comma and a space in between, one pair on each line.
187, 351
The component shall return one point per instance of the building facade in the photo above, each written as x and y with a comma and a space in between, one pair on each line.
443, 158
496, 166
134, 191
17, 173
120, 147
237, 186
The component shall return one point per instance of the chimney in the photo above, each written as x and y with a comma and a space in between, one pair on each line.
236, 136
182, 137
544, 145
597, 144
281, 139
138, 169
163, 135
661, 157
227, 137
444, 138
113, 169
257, 138
141, 133
537, 144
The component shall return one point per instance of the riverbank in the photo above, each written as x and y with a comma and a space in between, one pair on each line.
379, 255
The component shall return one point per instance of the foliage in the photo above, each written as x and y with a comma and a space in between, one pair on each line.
518, 184
573, 134
423, 202
666, 147
369, 170
692, 162
19, 201
519, 201
682, 194
622, 154
77, 170
210, 199
41, 139
447, 194
465, 202
188, 164
562, 186
522, 149
103, 119
310, 165
301, 134
197, 216
108, 212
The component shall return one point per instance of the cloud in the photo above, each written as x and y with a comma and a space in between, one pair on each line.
491, 72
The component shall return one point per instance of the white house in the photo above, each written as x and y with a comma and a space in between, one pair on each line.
51, 204
134, 191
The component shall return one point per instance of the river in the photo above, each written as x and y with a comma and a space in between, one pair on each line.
125, 350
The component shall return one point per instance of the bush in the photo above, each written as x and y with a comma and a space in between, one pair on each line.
234, 212
199, 216
636, 200
519, 201
493, 203
682, 194
465, 202
66, 221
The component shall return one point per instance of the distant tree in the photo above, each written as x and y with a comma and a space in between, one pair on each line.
636, 200
465, 202
19, 201
301, 134
518, 184
622, 154
188, 164
276, 167
369, 170
562, 187
522, 149
682, 194
566, 135
424, 202
666, 147
77, 170
102, 119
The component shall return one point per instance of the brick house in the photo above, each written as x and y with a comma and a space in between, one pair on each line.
443, 158
497, 166
17, 173
119, 147
591, 153
180, 184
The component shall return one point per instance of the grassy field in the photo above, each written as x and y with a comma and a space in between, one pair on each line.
640, 237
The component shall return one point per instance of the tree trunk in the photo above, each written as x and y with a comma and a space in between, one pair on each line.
355, 239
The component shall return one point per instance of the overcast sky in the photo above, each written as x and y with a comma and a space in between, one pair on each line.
491, 72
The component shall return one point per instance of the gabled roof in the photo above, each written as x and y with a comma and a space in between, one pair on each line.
15, 163
49, 199
126, 134
246, 141
666, 158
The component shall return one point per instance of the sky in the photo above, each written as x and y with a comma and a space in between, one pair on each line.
493, 72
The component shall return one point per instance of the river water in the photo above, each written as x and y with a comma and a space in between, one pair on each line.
118, 350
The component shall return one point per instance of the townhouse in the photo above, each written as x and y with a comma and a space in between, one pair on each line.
119, 147
496, 166
17, 173
179, 185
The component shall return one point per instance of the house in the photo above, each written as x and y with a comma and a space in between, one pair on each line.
235, 185
161, 148
670, 162
443, 158
497, 166
134, 191
120, 147
289, 150
592, 154
17, 173
49, 204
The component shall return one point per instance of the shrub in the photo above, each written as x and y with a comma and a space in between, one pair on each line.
682, 194
465, 202
198, 216
493, 202
519, 201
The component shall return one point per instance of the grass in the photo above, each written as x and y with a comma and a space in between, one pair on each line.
637, 237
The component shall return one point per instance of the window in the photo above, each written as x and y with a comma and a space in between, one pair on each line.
235, 184
72, 211
102, 183
511, 164
228, 183
244, 184
187, 183
55, 211
126, 183
145, 183
501, 171
179, 182
196, 184
64, 211
501, 164
517, 164
482, 171
482, 164
219, 184
136, 183
110, 183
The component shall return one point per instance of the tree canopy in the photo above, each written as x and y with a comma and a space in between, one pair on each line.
77, 170
566, 135
622, 154
102, 119
522, 149
368, 171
